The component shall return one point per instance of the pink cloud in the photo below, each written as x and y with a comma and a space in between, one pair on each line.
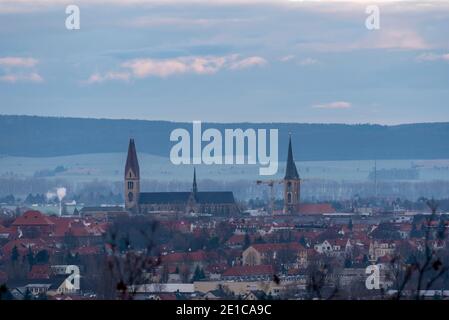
98, 78
433, 57
400, 39
333, 105
248, 63
142, 68
27, 77
17, 69
18, 62
201, 65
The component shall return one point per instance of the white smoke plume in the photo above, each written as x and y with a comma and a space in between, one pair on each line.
61, 192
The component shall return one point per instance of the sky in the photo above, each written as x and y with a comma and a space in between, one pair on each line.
227, 60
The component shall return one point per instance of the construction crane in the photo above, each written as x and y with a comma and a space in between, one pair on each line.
270, 183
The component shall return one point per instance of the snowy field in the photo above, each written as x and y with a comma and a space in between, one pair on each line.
88, 167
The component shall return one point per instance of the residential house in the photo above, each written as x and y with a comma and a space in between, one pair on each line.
33, 224
269, 253
249, 273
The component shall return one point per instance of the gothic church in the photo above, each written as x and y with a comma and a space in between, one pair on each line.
215, 202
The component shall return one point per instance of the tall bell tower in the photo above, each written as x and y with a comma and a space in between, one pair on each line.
292, 184
132, 179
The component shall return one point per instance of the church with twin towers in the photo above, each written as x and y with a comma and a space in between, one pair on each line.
220, 203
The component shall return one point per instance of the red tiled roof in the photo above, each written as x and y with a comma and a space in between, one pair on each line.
8, 231
76, 227
309, 234
338, 242
259, 270
270, 247
23, 245
319, 208
236, 239
33, 218
87, 250
39, 271
61, 226
177, 257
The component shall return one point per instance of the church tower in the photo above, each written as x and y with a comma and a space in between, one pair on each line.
292, 184
194, 187
192, 201
132, 179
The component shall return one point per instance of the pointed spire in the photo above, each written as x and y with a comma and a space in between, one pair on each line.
290, 172
131, 161
195, 187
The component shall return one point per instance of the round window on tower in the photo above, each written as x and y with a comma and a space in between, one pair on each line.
130, 197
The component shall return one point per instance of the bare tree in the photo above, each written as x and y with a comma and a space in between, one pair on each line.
126, 266
424, 268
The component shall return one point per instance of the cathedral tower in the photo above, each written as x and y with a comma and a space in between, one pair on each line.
132, 179
292, 184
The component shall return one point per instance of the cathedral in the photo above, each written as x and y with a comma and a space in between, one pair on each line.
215, 202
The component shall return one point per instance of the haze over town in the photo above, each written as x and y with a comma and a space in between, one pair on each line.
93, 204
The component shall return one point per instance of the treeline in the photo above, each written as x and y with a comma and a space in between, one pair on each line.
48, 136
14, 190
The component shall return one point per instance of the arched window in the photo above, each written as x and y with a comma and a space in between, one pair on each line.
289, 198
130, 197
289, 186
130, 185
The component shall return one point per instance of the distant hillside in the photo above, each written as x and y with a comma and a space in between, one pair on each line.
46, 136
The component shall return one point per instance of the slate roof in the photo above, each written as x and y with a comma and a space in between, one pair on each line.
163, 197
290, 171
215, 197
211, 197
131, 161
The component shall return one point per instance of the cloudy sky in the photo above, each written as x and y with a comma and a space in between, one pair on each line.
227, 60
